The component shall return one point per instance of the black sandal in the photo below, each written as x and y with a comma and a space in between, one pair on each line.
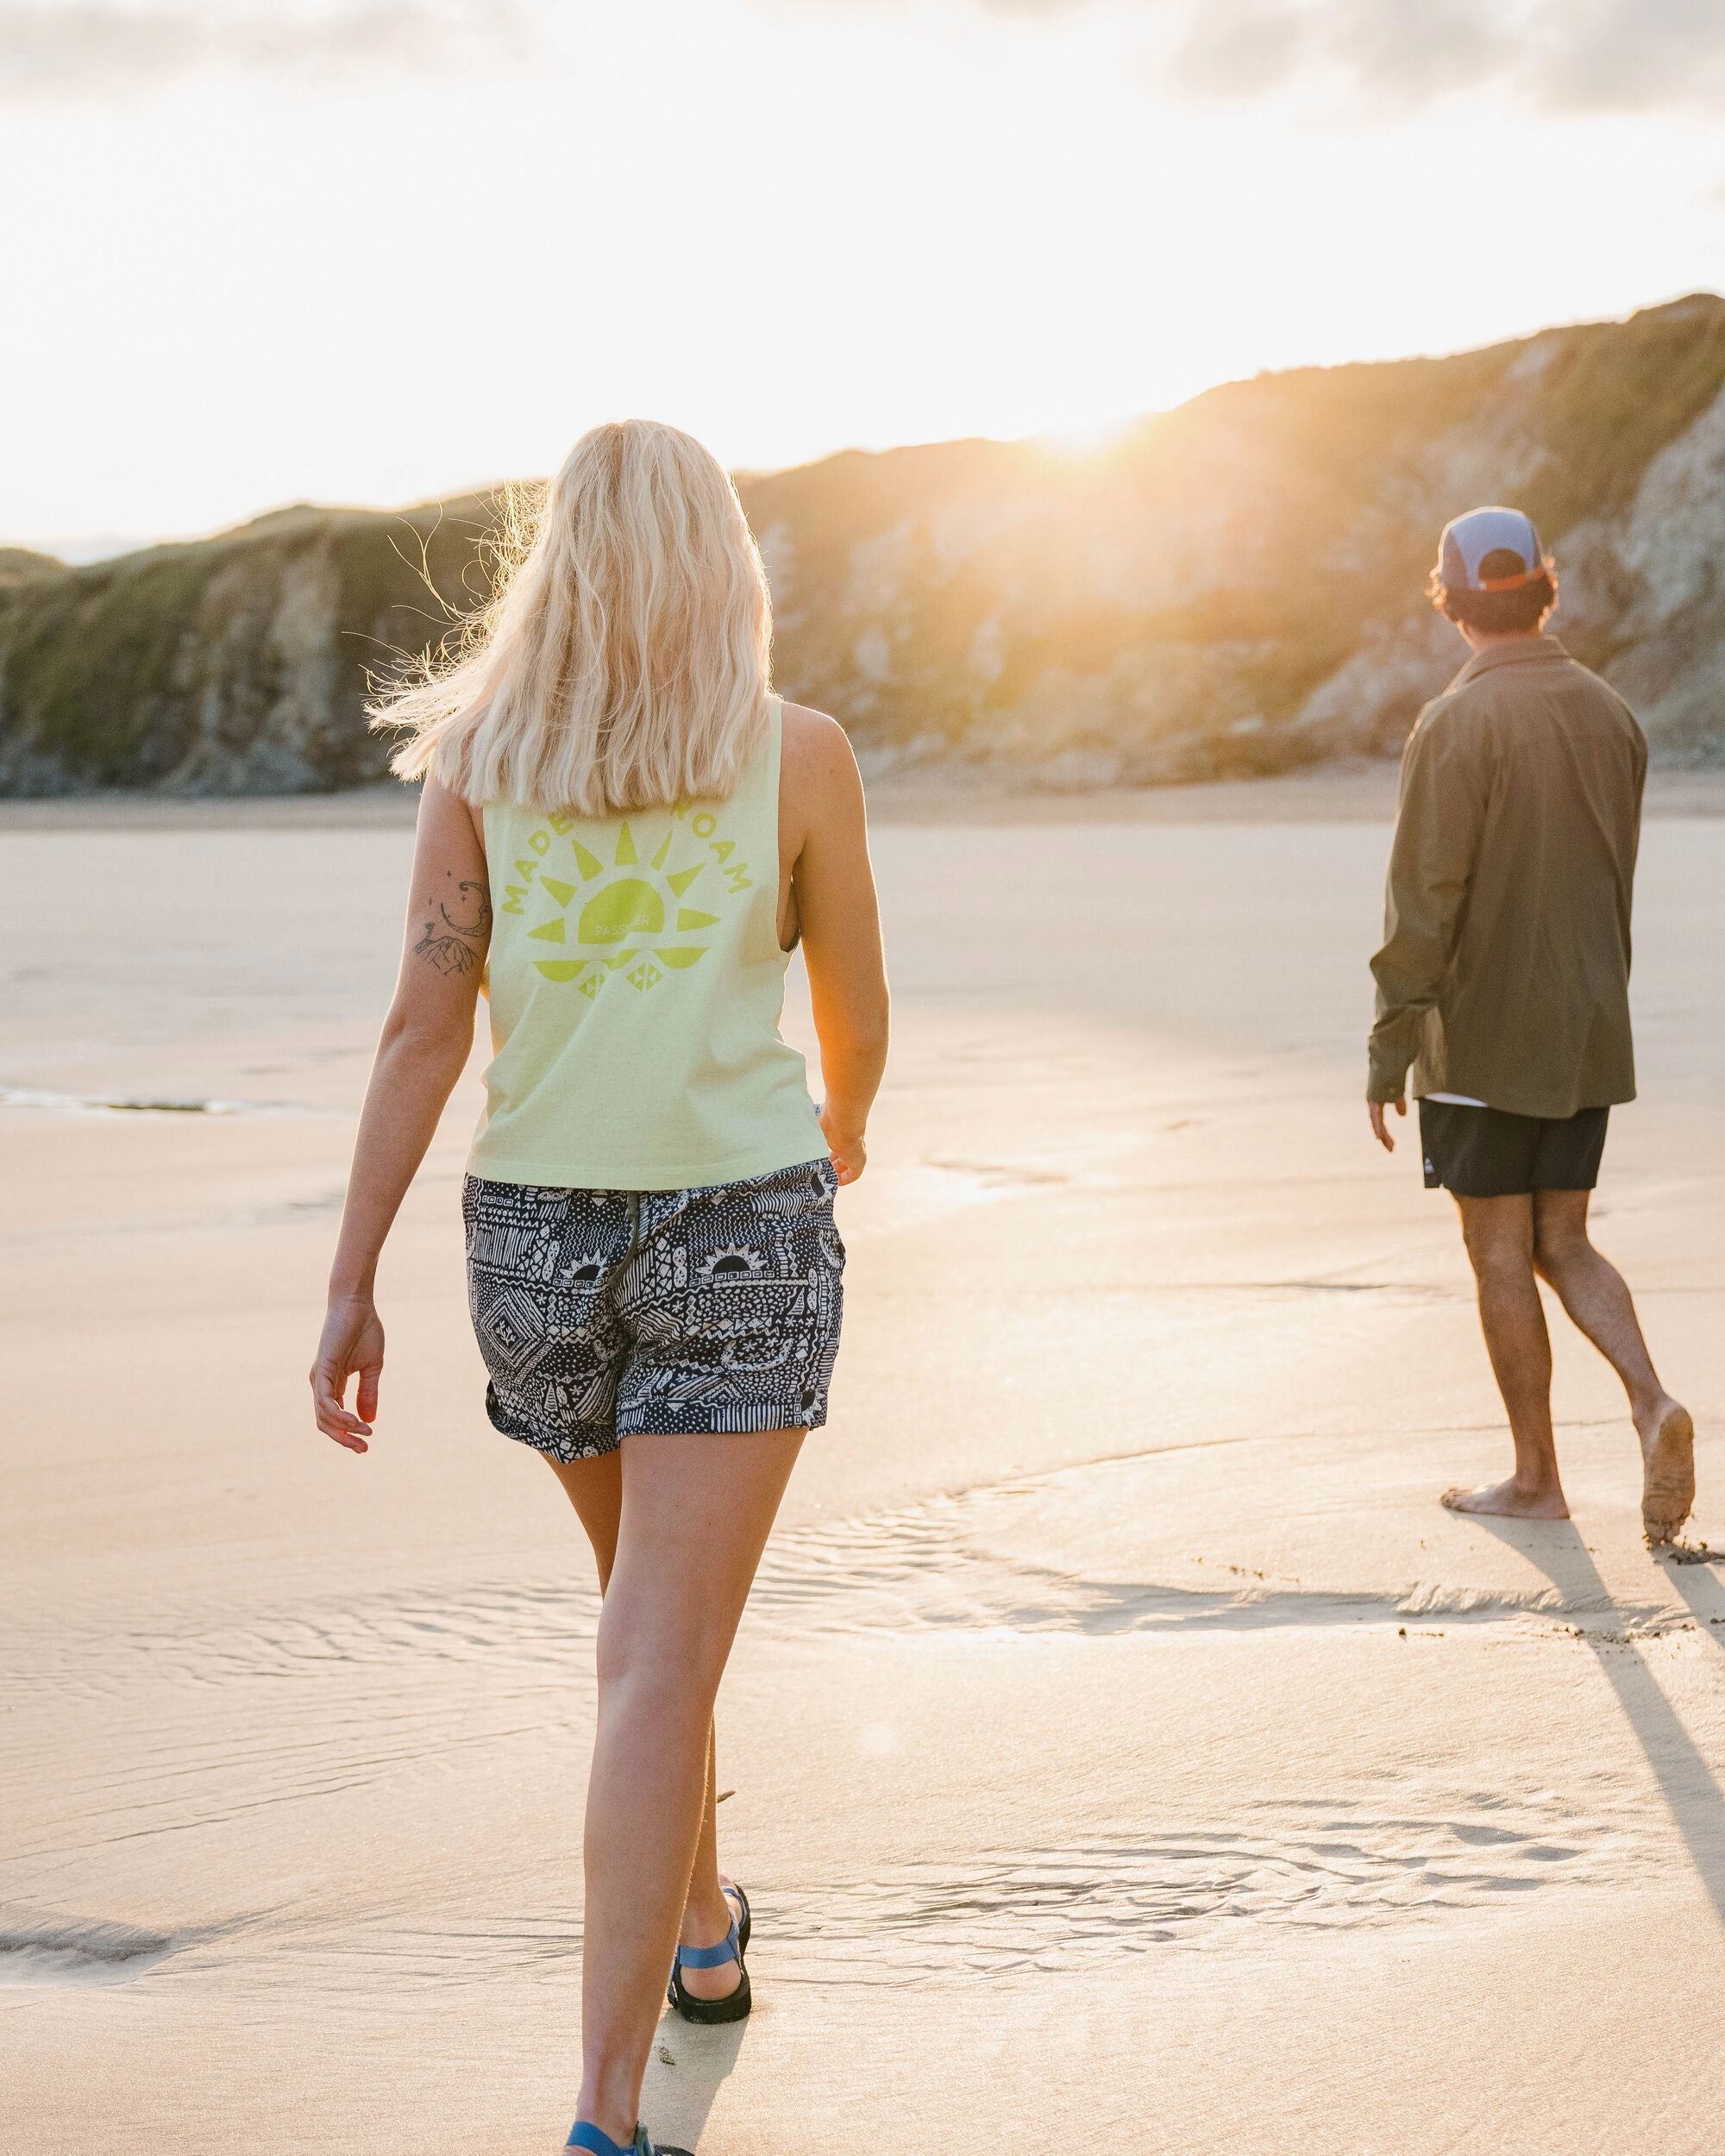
735, 2006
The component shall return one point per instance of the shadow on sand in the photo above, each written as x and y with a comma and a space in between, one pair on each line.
1687, 1782
683, 2076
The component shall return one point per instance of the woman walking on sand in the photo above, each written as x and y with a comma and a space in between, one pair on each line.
623, 837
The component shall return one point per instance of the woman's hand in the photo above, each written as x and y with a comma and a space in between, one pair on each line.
353, 1340
848, 1148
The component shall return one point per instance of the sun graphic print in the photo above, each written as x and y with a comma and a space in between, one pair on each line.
630, 917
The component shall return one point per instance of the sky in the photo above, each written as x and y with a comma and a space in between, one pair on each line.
264, 251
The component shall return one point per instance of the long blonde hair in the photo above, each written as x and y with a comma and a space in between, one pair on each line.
622, 661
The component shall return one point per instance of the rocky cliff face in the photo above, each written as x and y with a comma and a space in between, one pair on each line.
1232, 586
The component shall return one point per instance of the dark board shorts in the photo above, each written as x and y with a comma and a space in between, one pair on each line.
1489, 1153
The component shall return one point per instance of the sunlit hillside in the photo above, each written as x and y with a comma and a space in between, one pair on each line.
1232, 586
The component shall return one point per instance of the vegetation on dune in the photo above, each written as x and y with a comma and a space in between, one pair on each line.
23, 562
235, 663
1612, 396
1234, 586
69, 643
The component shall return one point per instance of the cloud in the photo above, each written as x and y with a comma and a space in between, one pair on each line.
1556, 55
63, 49
1566, 56
1403, 55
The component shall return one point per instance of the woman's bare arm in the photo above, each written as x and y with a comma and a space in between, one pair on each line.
424, 1046
833, 884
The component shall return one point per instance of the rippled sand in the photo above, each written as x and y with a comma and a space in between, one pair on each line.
1123, 1742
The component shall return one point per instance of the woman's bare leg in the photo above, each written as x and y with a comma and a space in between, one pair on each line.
707, 1915
695, 1517
594, 1488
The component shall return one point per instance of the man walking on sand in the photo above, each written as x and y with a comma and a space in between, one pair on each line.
1503, 981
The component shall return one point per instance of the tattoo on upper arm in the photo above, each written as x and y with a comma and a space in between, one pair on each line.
465, 913
448, 954
470, 897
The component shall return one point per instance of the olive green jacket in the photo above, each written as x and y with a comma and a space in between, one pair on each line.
1504, 973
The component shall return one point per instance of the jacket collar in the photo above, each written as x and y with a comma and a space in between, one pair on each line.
1519, 651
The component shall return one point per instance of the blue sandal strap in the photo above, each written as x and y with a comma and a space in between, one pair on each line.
593, 2139
709, 1957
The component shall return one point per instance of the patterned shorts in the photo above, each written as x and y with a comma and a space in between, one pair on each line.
600, 1312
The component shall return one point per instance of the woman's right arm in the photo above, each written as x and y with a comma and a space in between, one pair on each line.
426, 1040
834, 884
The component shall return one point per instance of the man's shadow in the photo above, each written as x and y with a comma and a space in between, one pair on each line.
678, 2098
1687, 1782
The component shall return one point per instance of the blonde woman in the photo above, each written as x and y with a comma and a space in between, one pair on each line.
622, 836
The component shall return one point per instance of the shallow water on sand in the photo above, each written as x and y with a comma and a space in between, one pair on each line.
1121, 1740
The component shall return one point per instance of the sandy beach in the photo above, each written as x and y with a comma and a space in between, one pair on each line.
1123, 1744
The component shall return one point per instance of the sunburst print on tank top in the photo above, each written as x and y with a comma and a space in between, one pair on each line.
642, 916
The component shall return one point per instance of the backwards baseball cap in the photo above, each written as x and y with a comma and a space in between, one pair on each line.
1490, 550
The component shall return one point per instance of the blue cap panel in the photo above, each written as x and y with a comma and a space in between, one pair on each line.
1468, 539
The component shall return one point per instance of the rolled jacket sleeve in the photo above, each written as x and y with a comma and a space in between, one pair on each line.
1431, 863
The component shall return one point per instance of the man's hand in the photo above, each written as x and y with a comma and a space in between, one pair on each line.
1380, 1130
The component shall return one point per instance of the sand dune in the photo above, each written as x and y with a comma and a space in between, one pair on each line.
1123, 1741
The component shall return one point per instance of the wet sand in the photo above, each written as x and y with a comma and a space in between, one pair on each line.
1357, 790
1123, 1741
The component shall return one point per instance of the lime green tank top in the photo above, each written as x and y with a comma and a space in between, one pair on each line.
636, 982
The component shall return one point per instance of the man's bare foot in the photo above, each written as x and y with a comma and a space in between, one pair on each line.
1508, 1501
1667, 1437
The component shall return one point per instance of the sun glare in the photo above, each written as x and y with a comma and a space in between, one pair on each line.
1089, 442
1033, 255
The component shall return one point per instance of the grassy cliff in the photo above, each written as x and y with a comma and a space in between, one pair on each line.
1233, 586
235, 664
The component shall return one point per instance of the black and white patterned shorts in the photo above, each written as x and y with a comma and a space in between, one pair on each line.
600, 1312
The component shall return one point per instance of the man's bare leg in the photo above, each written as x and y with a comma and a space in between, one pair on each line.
1597, 1299
1499, 1236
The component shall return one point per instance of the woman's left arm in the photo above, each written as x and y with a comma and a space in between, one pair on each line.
425, 1047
